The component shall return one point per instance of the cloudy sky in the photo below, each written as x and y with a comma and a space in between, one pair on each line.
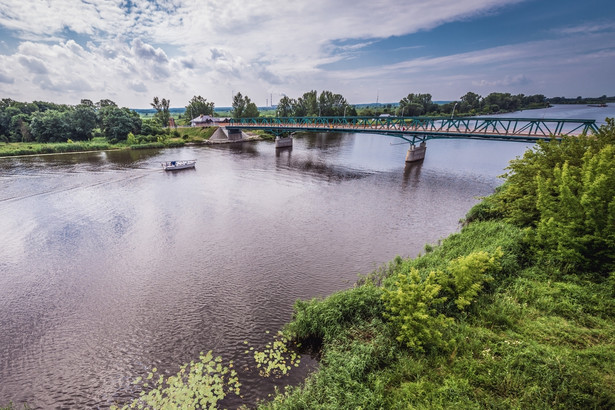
132, 50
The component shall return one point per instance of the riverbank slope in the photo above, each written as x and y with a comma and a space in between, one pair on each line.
517, 310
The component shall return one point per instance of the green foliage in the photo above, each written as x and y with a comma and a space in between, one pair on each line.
14, 149
324, 320
162, 115
563, 192
118, 122
151, 127
416, 304
413, 309
199, 106
276, 359
312, 104
416, 104
50, 126
11, 406
131, 139
466, 276
349, 373
200, 384
576, 228
525, 341
285, 107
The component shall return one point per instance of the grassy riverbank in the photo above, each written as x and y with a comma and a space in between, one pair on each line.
515, 311
177, 138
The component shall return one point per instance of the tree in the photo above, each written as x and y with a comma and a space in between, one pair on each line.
82, 121
50, 126
20, 128
417, 104
238, 106
307, 105
243, 107
251, 110
331, 104
118, 122
285, 107
470, 101
563, 193
199, 106
162, 110
105, 103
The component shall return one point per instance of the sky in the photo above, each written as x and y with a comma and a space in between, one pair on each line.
130, 51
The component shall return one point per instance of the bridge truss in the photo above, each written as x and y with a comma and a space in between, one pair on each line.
420, 129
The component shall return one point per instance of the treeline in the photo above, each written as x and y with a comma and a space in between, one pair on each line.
41, 121
581, 100
328, 103
414, 105
310, 104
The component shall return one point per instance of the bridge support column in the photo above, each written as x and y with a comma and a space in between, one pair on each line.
416, 153
283, 142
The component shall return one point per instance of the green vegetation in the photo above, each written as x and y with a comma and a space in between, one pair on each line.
580, 100
33, 148
243, 107
45, 128
162, 115
515, 311
200, 384
198, 106
311, 104
277, 358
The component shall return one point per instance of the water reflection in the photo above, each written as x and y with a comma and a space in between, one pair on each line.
412, 174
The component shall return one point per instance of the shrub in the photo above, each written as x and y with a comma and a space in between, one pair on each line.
467, 274
576, 205
416, 305
413, 309
326, 319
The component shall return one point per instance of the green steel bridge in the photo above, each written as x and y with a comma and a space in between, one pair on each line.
421, 129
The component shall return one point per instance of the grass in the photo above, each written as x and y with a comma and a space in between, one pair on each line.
532, 340
196, 134
34, 148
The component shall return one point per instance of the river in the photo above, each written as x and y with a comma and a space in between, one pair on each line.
110, 266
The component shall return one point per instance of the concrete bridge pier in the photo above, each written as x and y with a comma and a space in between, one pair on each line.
284, 142
416, 153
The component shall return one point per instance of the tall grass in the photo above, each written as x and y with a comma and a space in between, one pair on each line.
13, 149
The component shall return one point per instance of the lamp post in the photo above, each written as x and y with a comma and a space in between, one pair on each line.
345, 106
453, 113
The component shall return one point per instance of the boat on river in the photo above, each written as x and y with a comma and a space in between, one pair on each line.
176, 165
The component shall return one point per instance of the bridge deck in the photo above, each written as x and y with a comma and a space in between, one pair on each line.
415, 129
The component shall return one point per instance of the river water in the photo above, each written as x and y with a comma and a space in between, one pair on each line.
110, 266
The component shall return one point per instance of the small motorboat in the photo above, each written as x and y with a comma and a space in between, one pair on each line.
175, 165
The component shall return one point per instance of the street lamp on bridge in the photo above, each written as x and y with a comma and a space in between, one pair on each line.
453, 113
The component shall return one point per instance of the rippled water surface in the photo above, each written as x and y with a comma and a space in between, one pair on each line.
110, 266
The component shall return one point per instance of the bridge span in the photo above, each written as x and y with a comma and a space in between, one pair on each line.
417, 130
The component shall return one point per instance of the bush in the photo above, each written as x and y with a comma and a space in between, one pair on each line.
413, 308
324, 320
416, 304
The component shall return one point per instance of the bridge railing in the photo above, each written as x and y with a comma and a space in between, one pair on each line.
429, 127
